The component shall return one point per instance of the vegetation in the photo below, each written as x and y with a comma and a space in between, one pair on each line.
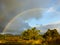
32, 37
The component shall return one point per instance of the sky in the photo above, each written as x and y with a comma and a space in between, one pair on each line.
33, 13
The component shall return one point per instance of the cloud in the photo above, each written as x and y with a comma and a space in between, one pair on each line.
44, 28
10, 8
51, 9
52, 12
32, 13
17, 24
14, 7
10, 5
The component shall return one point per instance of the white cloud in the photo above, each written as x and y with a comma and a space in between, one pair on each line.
51, 9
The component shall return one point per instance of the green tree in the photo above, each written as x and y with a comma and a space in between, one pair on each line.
51, 36
51, 33
32, 33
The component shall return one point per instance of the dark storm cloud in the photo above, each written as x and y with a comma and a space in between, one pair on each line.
10, 8
16, 26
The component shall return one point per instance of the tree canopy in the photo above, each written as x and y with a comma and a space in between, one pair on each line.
32, 33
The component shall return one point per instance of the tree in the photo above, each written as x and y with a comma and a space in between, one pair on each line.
32, 33
51, 33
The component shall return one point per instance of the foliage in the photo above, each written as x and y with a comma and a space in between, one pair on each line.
32, 37
31, 34
51, 33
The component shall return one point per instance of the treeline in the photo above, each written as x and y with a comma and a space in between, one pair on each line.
32, 37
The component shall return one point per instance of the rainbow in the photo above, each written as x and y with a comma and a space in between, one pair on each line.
10, 22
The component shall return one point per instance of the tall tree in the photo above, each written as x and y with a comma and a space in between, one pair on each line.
32, 33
